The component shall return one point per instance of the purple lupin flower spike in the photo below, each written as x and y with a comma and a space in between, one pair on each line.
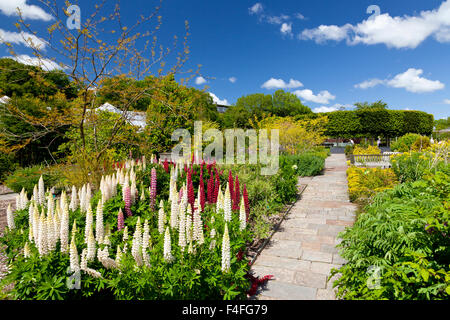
120, 220
153, 189
128, 201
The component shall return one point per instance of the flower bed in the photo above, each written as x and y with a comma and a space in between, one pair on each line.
151, 231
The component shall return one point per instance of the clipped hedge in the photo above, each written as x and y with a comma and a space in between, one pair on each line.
373, 123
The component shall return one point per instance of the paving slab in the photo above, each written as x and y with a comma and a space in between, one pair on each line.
288, 291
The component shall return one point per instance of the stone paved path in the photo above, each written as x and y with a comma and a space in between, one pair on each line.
5, 199
302, 253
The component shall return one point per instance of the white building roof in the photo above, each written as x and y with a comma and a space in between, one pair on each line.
133, 117
4, 99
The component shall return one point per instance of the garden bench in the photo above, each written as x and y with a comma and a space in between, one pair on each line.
373, 160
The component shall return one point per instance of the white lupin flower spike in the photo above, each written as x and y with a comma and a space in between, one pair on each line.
91, 250
227, 205
74, 261
161, 220
242, 215
10, 218
226, 258
41, 191
167, 246
99, 228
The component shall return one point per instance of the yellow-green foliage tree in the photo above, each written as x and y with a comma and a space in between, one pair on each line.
175, 106
297, 136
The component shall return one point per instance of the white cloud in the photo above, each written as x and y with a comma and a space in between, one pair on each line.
335, 107
280, 84
369, 83
413, 82
322, 97
256, 8
9, 7
324, 33
45, 64
324, 109
299, 16
286, 28
232, 79
410, 80
216, 99
200, 80
23, 38
447, 101
277, 19
443, 35
394, 32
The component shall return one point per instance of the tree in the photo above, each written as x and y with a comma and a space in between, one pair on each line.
371, 106
37, 127
175, 106
442, 124
18, 79
287, 104
34, 120
297, 136
103, 49
258, 105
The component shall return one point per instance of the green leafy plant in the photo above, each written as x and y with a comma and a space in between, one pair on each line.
308, 164
28, 177
403, 232
405, 143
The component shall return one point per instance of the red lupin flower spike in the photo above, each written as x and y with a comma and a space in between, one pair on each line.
247, 206
231, 184
237, 194
202, 191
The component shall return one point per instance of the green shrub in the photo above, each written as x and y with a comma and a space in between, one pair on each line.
421, 143
369, 150
405, 143
348, 150
413, 166
7, 165
27, 178
403, 235
308, 164
374, 123
285, 182
267, 194
363, 183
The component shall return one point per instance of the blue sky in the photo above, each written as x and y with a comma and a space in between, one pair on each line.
329, 53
